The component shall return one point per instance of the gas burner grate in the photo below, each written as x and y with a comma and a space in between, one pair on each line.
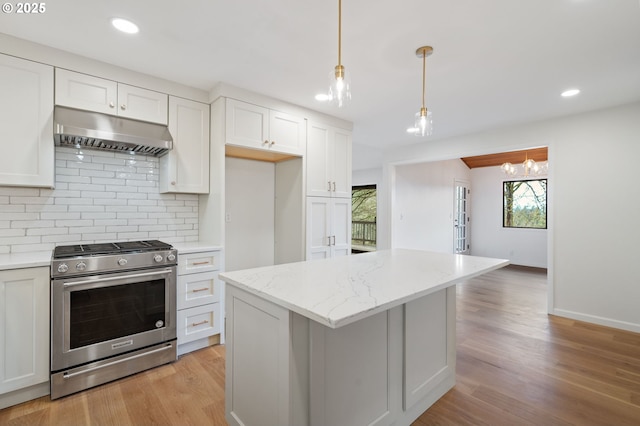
109, 248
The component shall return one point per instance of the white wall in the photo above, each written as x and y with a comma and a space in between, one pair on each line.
489, 238
423, 205
249, 202
592, 232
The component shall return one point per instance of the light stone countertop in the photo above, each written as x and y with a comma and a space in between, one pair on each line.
34, 259
195, 247
338, 291
43, 258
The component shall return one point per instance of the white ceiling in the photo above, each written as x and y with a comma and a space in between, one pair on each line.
495, 62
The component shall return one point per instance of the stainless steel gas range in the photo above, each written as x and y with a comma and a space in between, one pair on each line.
113, 312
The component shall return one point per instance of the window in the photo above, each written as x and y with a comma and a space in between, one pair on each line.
525, 204
363, 218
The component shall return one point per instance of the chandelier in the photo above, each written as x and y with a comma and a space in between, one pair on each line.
529, 167
339, 85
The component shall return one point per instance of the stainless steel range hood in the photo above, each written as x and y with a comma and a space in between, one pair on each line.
92, 130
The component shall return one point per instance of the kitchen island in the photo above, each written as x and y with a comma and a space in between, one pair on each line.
354, 340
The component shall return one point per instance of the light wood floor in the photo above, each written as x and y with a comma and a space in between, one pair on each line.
516, 366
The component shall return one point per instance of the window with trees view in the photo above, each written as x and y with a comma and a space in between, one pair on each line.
363, 218
525, 204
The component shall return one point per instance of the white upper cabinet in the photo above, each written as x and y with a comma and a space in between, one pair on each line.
328, 161
257, 127
185, 168
142, 104
26, 123
91, 93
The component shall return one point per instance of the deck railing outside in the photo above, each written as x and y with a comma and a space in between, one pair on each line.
363, 233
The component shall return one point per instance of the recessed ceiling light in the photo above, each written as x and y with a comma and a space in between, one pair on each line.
322, 97
124, 25
569, 93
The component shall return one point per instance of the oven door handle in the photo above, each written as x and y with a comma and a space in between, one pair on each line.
119, 278
68, 375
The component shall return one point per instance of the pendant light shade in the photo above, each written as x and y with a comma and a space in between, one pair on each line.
339, 84
424, 119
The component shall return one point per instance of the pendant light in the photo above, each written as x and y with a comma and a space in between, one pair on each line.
424, 119
339, 85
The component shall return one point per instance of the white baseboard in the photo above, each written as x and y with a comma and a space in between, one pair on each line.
23, 395
607, 322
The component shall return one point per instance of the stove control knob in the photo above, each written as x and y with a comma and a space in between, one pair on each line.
81, 266
63, 267
157, 258
122, 261
171, 257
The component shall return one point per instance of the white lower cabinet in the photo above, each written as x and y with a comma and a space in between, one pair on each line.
200, 314
24, 335
328, 227
387, 369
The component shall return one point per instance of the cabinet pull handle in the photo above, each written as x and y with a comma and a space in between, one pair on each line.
334, 240
111, 104
195, 324
196, 290
334, 187
272, 143
123, 107
206, 262
329, 185
265, 143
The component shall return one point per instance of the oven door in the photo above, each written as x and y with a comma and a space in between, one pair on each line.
100, 316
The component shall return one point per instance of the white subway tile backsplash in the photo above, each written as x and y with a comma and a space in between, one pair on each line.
24, 192
27, 247
133, 236
98, 197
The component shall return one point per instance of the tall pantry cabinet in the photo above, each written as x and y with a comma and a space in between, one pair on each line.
328, 231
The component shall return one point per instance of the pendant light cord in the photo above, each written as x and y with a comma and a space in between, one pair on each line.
339, 32
424, 71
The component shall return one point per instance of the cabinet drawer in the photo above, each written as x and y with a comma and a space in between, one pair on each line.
196, 323
198, 262
197, 289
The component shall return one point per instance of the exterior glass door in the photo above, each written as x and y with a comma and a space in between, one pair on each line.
461, 243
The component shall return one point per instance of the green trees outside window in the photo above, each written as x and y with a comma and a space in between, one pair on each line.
525, 204
363, 218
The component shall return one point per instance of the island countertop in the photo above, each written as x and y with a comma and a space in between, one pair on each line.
339, 291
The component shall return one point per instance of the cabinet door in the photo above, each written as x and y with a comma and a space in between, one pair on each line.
287, 133
246, 124
185, 168
341, 162
26, 119
318, 179
24, 328
142, 104
318, 228
341, 226
86, 92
